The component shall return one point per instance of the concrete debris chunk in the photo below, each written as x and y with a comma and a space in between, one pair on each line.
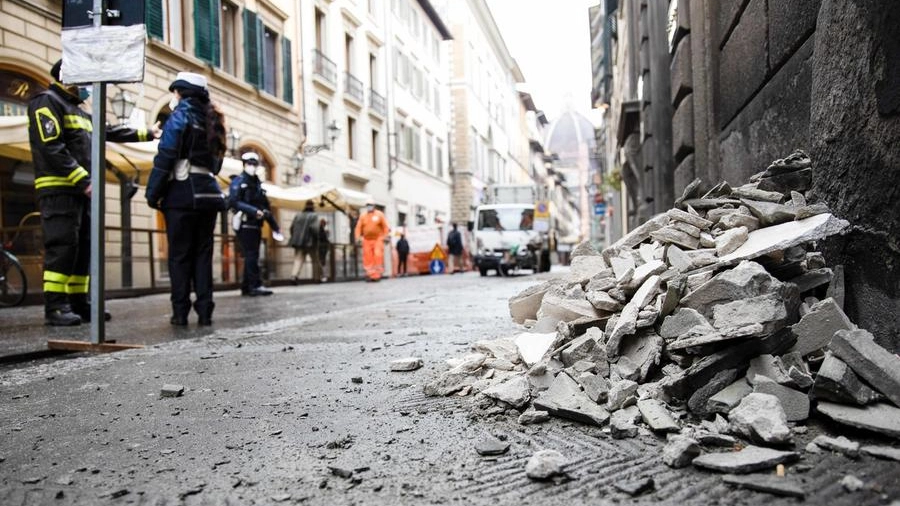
881, 417
680, 451
812, 210
621, 394
881, 452
623, 267
760, 418
514, 391
603, 302
750, 191
171, 390
682, 322
786, 235
533, 346
533, 416
771, 311
622, 422
504, 348
748, 279
735, 220
595, 386
813, 279
656, 416
838, 444
671, 235
525, 305
640, 355
729, 397
566, 304
587, 347
565, 399
545, 464
583, 268
584, 248
643, 272
815, 329
491, 446
678, 259
836, 382
879, 367
769, 367
794, 403
642, 232
852, 483
635, 488
685, 217
731, 240
770, 484
749, 459
699, 401
769, 213
687, 228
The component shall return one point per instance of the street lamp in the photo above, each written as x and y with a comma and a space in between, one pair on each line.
297, 164
234, 139
333, 132
122, 105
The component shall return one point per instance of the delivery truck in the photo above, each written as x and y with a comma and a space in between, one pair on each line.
512, 231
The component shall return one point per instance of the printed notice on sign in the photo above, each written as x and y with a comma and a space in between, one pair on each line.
111, 54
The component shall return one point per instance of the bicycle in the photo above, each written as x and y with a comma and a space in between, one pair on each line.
13, 283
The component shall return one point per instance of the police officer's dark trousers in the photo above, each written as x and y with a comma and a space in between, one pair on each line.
66, 224
190, 235
249, 236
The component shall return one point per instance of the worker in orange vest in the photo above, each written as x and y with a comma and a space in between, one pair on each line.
372, 230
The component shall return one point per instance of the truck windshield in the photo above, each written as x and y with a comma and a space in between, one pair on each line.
505, 219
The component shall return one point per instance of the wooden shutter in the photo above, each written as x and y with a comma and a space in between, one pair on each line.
206, 30
287, 67
252, 49
154, 19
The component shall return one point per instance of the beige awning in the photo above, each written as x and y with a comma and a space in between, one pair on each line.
325, 196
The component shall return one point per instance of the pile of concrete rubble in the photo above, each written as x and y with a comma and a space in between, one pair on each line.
716, 323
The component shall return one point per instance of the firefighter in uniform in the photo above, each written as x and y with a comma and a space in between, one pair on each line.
246, 195
60, 136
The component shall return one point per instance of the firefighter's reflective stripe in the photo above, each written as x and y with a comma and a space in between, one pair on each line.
143, 134
55, 282
75, 122
77, 284
47, 125
74, 177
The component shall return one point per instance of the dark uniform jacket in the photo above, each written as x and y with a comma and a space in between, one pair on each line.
184, 138
60, 136
246, 194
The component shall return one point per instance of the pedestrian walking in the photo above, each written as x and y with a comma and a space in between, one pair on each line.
372, 231
402, 254
247, 197
305, 241
59, 134
455, 248
183, 186
324, 247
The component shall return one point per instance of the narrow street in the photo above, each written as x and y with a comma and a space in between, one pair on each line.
289, 399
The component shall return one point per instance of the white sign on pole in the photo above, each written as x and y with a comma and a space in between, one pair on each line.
110, 54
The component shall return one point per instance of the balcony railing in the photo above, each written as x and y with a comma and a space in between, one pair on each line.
353, 87
324, 67
376, 102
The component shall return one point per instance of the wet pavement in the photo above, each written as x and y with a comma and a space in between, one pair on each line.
289, 399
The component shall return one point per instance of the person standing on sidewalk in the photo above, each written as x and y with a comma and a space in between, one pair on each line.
59, 133
402, 255
246, 195
183, 186
305, 241
324, 248
455, 248
372, 231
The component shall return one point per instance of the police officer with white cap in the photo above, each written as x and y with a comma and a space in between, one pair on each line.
247, 196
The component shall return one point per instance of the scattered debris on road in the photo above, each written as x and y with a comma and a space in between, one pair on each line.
171, 390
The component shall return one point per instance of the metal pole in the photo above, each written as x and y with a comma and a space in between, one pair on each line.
98, 194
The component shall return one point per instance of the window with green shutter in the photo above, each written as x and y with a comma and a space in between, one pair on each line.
252, 48
287, 63
206, 30
154, 19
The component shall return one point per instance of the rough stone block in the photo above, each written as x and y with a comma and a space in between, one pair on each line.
685, 171
731, 240
681, 69
699, 401
683, 130
761, 418
586, 347
768, 310
656, 416
515, 391
879, 367
545, 464
729, 397
836, 382
171, 390
680, 451
742, 62
789, 24
815, 329
748, 279
565, 399
671, 235
795, 404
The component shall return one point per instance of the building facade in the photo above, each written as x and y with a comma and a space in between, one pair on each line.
484, 105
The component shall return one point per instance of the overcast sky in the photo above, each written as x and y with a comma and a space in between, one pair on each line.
550, 39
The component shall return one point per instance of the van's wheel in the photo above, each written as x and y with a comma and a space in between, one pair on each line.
482, 271
503, 270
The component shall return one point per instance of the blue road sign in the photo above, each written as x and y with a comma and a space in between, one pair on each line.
436, 266
600, 209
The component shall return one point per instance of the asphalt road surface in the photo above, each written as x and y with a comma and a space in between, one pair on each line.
289, 400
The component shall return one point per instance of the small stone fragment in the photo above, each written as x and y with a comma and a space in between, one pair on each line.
533, 416
171, 390
838, 444
406, 364
680, 451
621, 394
515, 391
657, 416
491, 446
747, 460
760, 417
636, 487
775, 485
731, 240
852, 483
881, 417
545, 464
729, 397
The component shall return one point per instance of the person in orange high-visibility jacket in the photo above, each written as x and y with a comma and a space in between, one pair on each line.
372, 229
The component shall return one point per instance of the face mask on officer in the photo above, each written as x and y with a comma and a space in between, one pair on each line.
84, 93
250, 169
173, 102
